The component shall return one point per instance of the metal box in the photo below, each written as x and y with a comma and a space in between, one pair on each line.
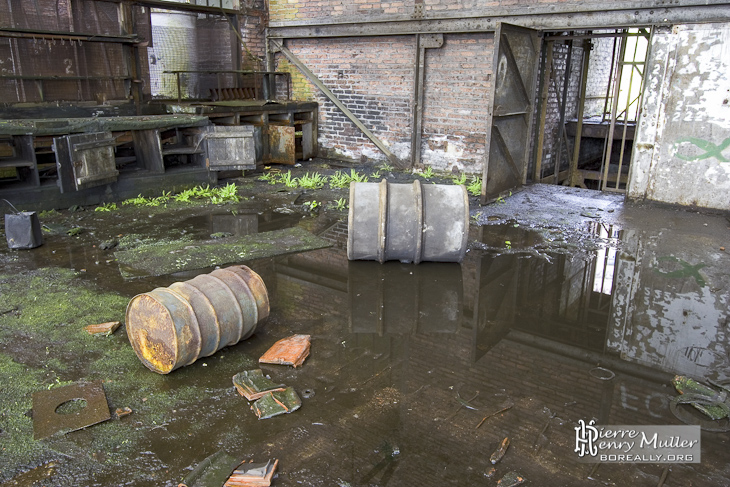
23, 230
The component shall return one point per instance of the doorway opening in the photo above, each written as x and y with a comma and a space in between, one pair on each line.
588, 104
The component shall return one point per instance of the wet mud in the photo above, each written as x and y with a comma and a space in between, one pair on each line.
569, 305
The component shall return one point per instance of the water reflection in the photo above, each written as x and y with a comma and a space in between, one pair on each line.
240, 224
627, 301
397, 298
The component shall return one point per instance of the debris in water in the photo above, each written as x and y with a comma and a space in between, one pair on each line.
109, 244
252, 384
511, 479
276, 403
499, 452
35, 476
665, 474
506, 408
122, 412
288, 351
214, 470
705, 399
75, 231
157, 259
103, 328
48, 421
490, 473
253, 474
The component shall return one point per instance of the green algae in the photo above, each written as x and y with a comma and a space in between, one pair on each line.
43, 345
157, 259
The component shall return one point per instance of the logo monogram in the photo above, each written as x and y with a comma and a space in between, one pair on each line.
585, 437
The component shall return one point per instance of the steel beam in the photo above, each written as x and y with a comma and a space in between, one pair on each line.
333, 98
555, 17
423, 42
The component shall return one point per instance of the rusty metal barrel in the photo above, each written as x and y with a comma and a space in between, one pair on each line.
170, 327
407, 222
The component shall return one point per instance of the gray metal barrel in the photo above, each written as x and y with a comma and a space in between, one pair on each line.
170, 327
407, 222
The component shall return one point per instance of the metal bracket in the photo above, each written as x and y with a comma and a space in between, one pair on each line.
431, 41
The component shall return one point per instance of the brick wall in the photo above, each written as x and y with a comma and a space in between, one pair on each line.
373, 77
555, 95
598, 76
253, 26
457, 83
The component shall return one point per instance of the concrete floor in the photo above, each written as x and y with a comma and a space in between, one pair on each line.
570, 305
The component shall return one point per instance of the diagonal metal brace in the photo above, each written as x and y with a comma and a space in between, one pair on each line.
313, 78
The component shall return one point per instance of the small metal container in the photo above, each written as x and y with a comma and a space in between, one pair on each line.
23, 230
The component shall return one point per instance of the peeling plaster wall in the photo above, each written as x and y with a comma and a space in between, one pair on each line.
670, 304
682, 149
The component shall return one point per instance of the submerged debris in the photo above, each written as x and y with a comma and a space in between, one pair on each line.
252, 384
713, 403
214, 470
157, 259
288, 351
276, 403
499, 452
46, 419
122, 412
109, 244
102, 328
511, 479
253, 474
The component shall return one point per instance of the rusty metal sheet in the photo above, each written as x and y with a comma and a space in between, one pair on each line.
47, 422
282, 146
516, 54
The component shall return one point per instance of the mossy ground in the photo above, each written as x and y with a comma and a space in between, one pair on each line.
43, 345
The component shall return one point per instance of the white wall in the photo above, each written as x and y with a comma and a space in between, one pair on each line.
678, 151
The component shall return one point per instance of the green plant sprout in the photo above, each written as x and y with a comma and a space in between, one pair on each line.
475, 186
385, 167
341, 204
428, 173
313, 181
106, 207
312, 205
461, 180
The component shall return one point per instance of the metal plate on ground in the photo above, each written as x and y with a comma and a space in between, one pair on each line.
47, 422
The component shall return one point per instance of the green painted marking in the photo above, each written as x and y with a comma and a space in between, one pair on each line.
711, 150
687, 270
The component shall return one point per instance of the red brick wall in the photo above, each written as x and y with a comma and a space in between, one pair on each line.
253, 24
457, 84
373, 77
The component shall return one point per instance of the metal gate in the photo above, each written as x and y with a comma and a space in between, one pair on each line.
515, 66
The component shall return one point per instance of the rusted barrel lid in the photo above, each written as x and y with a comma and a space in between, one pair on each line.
162, 331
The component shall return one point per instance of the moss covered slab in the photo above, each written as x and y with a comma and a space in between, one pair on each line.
158, 260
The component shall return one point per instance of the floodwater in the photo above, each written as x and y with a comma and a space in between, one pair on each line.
407, 361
